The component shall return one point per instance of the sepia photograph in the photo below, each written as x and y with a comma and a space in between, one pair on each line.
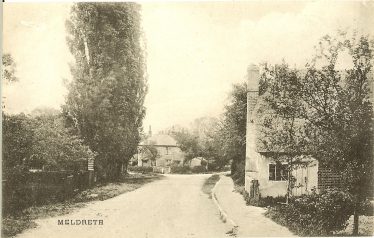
187, 119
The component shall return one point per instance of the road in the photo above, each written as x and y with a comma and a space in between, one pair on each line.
171, 207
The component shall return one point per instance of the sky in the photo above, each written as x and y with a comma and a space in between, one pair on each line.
195, 50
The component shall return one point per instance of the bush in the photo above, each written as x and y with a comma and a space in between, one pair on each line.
141, 169
180, 169
367, 208
198, 169
24, 189
316, 214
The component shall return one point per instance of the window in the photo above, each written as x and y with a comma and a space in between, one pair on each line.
278, 172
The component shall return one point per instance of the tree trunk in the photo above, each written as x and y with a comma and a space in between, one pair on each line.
355, 219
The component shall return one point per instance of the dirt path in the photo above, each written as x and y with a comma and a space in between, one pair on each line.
172, 207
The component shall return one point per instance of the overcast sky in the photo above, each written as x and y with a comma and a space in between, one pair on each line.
196, 51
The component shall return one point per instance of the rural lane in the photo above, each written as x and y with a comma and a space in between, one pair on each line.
172, 207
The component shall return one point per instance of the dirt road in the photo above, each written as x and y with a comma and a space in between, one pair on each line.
171, 207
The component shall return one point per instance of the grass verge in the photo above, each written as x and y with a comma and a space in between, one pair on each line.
209, 184
15, 224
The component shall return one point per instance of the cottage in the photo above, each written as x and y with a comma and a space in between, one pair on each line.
198, 161
266, 176
165, 152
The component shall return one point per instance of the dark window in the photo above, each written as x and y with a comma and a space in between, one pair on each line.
278, 172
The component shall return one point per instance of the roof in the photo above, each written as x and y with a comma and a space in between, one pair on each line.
160, 140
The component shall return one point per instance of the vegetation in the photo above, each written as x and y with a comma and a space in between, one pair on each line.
326, 112
231, 137
149, 152
185, 169
106, 96
14, 224
316, 214
9, 68
40, 143
222, 141
141, 169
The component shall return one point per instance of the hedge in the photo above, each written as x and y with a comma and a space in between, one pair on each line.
141, 169
316, 214
24, 189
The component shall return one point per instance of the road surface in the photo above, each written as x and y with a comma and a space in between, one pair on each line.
172, 207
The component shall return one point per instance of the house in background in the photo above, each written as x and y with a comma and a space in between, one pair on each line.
165, 152
266, 176
198, 161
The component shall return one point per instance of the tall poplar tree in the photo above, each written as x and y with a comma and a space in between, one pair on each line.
106, 96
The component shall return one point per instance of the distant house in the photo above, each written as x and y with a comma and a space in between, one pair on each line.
198, 161
168, 152
266, 176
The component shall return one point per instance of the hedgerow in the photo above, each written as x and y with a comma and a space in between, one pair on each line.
315, 214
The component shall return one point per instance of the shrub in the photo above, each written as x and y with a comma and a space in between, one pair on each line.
198, 169
141, 169
367, 208
316, 214
23, 189
180, 169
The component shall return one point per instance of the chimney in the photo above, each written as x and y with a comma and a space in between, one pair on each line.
252, 156
253, 74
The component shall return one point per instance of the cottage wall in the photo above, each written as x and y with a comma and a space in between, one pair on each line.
268, 187
169, 156
306, 179
257, 164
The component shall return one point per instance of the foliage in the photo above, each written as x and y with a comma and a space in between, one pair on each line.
230, 138
55, 147
202, 140
18, 138
14, 224
198, 169
316, 214
9, 68
106, 96
189, 144
23, 189
150, 152
261, 201
333, 108
11, 226
40, 142
180, 169
141, 169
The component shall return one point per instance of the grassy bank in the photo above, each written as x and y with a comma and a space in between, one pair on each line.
14, 224
209, 184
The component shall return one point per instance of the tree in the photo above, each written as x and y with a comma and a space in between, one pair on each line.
54, 147
281, 128
199, 141
9, 68
17, 141
106, 96
232, 134
150, 152
335, 107
189, 144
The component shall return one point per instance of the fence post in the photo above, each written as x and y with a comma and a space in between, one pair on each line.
91, 171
